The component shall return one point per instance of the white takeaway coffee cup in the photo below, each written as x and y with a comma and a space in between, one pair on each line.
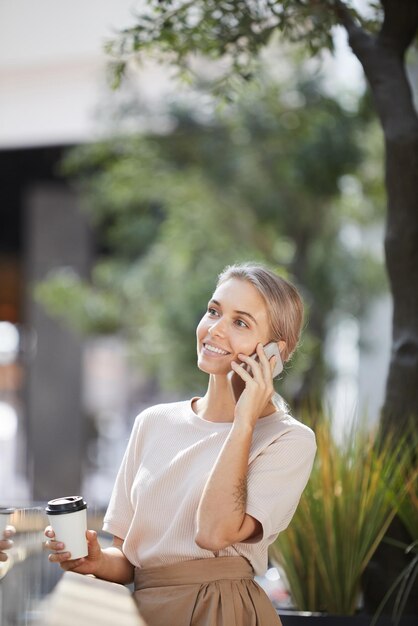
5, 517
68, 518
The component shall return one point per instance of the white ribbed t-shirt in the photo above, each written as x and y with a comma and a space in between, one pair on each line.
169, 456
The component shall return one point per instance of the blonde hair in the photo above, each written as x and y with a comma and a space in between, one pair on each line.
284, 303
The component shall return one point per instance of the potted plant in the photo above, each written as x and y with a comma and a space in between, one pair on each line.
356, 488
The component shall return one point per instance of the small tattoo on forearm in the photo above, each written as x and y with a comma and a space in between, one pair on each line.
240, 496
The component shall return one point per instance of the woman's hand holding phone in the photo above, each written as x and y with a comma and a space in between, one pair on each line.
258, 389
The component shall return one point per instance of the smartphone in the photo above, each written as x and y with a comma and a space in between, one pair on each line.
271, 349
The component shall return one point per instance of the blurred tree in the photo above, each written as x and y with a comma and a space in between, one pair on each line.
380, 35
284, 152
258, 180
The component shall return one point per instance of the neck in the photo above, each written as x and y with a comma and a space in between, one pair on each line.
218, 403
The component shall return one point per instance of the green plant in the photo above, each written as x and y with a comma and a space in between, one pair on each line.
355, 489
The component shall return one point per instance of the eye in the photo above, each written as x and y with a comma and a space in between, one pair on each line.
212, 311
241, 324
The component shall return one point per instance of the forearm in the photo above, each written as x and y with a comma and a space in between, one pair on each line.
222, 507
115, 567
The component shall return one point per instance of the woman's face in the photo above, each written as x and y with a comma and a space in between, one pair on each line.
235, 321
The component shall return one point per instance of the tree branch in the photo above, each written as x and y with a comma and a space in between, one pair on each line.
360, 41
381, 56
400, 24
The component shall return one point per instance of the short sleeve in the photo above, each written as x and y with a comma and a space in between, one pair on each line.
118, 517
277, 478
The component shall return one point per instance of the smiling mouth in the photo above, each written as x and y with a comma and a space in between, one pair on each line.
215, 350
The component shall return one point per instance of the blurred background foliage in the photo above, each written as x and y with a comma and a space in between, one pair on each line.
283, 174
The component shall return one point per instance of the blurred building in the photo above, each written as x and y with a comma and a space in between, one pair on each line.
52, 79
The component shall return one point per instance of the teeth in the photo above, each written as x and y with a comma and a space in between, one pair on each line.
213, 349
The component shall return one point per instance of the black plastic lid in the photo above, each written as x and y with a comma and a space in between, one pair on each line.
67, 504
6, 511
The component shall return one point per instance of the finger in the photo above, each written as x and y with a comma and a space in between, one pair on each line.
94, 547
3, 557
6, 544
49, 532
59, 557
55, 546
265, 370
256, 371
242, 372
267, 364
264, 361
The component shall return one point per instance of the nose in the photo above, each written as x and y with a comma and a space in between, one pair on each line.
217, 329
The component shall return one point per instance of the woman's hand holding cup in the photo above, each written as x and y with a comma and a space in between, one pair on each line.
89, 564
73, 546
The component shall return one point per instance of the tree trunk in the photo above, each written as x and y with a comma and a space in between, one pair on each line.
383, 60
401, 247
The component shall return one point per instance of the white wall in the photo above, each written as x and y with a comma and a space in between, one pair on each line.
52, 67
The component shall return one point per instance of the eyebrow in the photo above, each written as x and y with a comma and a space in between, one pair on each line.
238, 312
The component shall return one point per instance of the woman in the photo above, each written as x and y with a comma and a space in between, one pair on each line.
207, 484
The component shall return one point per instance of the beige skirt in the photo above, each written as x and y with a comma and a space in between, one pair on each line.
218, 591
